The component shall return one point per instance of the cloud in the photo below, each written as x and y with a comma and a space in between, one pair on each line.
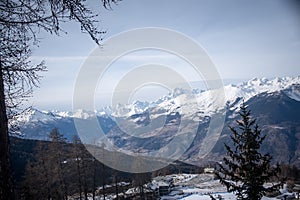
59, 59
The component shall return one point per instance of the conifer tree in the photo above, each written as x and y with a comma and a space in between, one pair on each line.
245, 168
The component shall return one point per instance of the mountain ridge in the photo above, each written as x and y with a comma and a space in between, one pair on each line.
275, 103
244, 90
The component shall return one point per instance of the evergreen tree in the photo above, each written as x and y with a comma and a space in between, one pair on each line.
246, 169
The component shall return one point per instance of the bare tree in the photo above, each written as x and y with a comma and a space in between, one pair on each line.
38, 172
57, 155
20, 22
78, 160
139, 180
47, 169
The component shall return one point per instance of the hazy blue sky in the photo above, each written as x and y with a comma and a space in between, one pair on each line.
244, 39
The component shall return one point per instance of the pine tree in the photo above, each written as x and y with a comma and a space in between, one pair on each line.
245, 168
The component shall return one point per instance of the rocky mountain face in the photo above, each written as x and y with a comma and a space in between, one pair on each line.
275, 103
278, 117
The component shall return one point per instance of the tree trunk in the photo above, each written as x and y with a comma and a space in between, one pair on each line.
103, 181
79, 174
117, 192
6, 184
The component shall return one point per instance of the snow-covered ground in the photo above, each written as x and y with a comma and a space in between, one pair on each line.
189, 187
199, 186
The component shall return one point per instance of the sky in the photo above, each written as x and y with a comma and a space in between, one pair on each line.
244, 39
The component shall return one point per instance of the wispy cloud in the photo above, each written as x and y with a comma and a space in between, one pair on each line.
59, 59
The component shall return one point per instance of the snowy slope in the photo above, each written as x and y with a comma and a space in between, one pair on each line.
34, 115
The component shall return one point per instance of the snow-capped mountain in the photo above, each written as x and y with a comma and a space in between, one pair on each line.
275, 103
204, 99
174, 102
179, 96
256, 86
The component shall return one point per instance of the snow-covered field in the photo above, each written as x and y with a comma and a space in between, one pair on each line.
198, 186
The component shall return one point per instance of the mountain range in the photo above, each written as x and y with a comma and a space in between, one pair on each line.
275, 103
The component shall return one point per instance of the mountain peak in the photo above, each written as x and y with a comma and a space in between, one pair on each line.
171, 102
